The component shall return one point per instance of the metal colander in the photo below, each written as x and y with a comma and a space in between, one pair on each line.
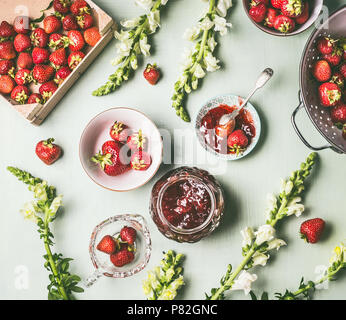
334, 27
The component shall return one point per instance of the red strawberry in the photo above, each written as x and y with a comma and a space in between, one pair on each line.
51, 24
322, 71
254, 3
35, 98
58, 58
311, 230
119, 131
21, 24
140, 161
76, 40
40, 55
225, 130
69, 23
325, 45
342, 70
47, 151
333, 58
6, 30
270, 17
79, 7
276, 3
75, 58
108, 245
128, 234
47, 90
338, 114
122, 257
39, 38
7, 50
292, 8
23, 76
137, 141
305, 14
22, 42
6, 66
85, 21
7, 84
329, 93
25, 61
338, 79
92, 36
151, 73
20, 94
62, 74
258, 12
43, 73
237, 141
62, 6
58, 41
284, 24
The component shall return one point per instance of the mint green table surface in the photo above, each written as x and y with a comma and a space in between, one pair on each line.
244, 53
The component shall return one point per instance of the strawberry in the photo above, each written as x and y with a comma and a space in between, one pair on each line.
76, 40
62, 6
75, 58
325, 45
108, 245
35, 98
7, 84
329, 93
58, 58
225, 130
311, 230
237, 141
338, 79
22, 42
292, 8
7, 50
51, 24
21, 24
47, 151
43, 73
85, 21
140, 161
338, 114
119, 131
284, 24
25, 61
61, 75
333, 58
151, 73
322, 71
40, 55
276, 3
137, 141
128, 234
69, 23
58, 41
23, 76
122, 257
6, 66
342, 70
258, 12
270, 17
20, 94
79, 7
92, 36
254, 3
305, 14
39, 38
6, 31
47, 90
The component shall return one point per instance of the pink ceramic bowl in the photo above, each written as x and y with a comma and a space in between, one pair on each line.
97, 132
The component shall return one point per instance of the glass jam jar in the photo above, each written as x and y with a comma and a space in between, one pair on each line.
187, 204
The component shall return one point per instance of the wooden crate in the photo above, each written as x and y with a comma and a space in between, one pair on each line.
9, 9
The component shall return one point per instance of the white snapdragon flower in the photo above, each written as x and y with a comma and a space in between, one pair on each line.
260, 259
170, 292
130, 23
182, 80
186, 62
146, 4
211, 62
294, 207
286, 186
124, 47
39, 190
145, 47
56, 204
212, 43
154, 20
134, 63
29, 211
206, 24
321, 271
223, 6
339, 254
244, 282
248, 236
199, 72
272, 204
191, 34
119, 59
164, 2
123, 35
276, 244
264, 233
221, 25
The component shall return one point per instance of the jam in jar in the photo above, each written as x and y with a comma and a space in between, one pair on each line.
187, 204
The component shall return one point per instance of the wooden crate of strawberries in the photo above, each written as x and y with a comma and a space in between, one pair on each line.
42, 58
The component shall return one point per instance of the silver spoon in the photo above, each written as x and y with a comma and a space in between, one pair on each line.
261, 81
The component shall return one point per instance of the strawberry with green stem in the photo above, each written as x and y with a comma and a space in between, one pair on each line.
329, 93
151, 73
311, 230
137, 141
20, 94
47, 151
119, 131
75, 58
237, 142
140, 161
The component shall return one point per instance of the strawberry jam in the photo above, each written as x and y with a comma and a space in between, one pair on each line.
211, 120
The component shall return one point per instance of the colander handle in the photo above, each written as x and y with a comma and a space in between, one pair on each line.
293, 119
